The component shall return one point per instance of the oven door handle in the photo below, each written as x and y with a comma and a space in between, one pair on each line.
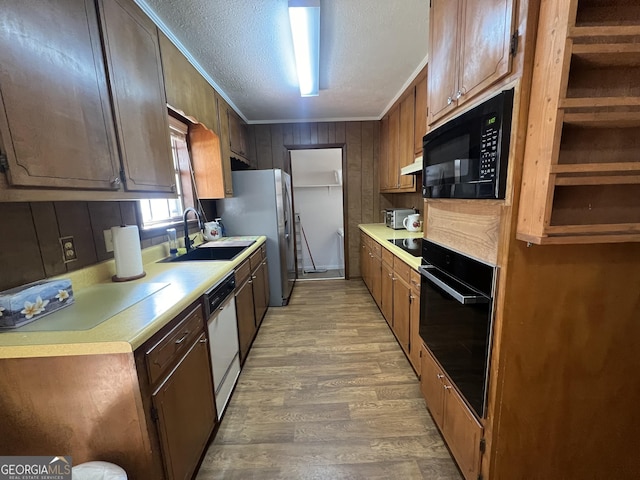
460, 297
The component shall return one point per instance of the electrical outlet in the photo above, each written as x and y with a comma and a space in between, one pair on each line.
108, 240
69, 253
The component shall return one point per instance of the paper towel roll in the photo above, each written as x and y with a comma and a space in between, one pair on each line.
127, 253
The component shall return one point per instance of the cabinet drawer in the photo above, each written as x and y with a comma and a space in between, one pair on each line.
415, 279
242, 272
256, 259
376, 248
387, 257
401, 269
170, 347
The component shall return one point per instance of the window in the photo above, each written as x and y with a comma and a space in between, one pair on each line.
157, 212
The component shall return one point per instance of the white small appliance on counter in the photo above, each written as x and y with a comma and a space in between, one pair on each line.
394, 217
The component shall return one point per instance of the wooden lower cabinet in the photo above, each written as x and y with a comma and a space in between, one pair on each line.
260, 279
177, 391
185, 421
386, 297
401, 311
245, 309
415, 342
252, 298
460, 429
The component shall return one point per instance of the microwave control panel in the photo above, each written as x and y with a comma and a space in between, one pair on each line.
489, 148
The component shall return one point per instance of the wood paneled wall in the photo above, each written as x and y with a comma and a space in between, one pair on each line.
361, 144
30, 248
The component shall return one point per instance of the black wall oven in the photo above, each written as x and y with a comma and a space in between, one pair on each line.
456, 313
467, 157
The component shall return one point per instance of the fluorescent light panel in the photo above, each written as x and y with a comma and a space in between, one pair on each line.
304, 16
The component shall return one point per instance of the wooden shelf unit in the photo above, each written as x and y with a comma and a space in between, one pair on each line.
581, 174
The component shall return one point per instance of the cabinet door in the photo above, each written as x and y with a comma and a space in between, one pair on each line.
236, 142
386, 298
246, 318
376, 279
462, 432
443, 57
401, 312
485, 39
393, 170
185, 422
384, 154
432, 387
187, 91
415, 342
260, 291
406, 140
364, 262
55, 115
222, 109
420, 119
139, 102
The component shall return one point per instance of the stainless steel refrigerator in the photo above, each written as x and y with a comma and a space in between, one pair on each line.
262, 205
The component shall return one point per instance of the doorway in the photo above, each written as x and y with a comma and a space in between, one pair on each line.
316, 176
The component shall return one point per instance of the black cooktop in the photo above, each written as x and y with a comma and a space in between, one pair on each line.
409, 245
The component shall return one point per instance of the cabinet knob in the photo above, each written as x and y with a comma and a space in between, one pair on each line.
440, 375
447, 387
253, 277
115, 182
173, 188
458, 94
203, 340
449, 100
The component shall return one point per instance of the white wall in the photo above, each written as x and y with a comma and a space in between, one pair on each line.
320, 207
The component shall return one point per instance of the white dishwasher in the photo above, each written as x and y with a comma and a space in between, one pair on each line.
222, 327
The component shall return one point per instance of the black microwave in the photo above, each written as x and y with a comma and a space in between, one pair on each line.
467, 157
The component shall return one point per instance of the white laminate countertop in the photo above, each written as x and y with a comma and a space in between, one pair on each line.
129, 327
381, 234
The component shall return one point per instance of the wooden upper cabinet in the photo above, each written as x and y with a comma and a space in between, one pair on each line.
470, 49
406, 140
208, 168
420, 117
55, 117
394, 148
225, 144
137, 87
188, 92
239, 138
443, 56
384, 153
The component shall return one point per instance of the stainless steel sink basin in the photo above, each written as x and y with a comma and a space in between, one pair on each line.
200, 254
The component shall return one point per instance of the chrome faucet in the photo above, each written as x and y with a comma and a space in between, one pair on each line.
187, 241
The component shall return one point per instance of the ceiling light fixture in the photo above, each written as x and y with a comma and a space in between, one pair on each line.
304, 16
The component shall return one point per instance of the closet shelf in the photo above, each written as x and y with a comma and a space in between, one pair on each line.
599, 102
604, 31
603, 119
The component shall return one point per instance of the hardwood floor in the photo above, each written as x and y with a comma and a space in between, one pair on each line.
326, 393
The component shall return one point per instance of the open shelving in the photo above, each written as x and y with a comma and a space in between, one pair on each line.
581, 175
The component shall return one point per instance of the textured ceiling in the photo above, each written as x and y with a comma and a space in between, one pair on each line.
369, 50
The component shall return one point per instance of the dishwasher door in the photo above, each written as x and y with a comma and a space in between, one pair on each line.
222, 327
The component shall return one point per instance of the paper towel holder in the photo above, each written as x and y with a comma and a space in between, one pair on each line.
133, 230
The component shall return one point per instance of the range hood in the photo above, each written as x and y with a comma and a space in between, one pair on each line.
413, 169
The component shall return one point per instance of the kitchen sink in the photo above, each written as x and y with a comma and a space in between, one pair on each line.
200, 254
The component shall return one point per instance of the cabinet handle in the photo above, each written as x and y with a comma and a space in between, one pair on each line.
181, 339
449, 100
249, 281
447, 387
440, 375
253, 277
458, 94
204, 340
115, 182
